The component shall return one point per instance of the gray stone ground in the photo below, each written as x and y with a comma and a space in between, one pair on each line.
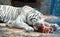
13, 32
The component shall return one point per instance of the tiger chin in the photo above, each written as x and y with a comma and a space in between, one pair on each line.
21, 17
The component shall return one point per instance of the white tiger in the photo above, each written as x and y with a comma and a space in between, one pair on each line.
21, 17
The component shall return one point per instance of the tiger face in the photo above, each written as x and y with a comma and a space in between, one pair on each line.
35, 18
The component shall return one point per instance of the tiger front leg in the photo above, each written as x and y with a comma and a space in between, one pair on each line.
20, 24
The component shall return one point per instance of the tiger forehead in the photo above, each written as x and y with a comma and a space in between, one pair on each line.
33, 16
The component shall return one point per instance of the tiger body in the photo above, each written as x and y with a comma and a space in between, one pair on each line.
17, 15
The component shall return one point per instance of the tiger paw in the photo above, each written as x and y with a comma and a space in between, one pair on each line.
29, 29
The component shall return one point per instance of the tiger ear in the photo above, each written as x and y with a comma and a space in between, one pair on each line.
27, 8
